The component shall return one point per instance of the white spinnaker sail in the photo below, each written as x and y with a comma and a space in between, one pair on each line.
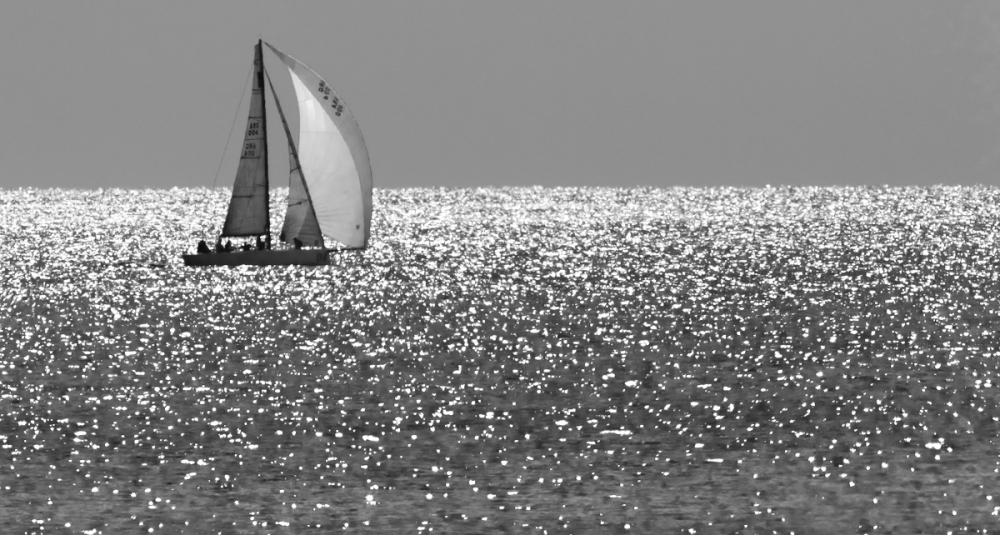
248, 210
333, 159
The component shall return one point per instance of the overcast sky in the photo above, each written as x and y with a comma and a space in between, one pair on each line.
557, 93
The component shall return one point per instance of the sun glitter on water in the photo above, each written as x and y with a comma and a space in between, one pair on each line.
523, 359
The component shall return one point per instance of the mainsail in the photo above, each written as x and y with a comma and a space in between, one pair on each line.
333, 168
248, 208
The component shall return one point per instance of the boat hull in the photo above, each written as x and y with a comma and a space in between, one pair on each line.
283, 257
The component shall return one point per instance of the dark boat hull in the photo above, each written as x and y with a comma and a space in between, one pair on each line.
283, 257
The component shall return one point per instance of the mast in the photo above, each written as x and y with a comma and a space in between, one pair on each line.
263, 116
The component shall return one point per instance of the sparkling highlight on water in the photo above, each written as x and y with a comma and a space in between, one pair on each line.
518, 359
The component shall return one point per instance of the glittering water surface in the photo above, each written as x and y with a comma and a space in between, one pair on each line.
525, 360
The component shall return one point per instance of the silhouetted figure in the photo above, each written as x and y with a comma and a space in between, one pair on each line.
229, 246
297, 242
203, 248
260, 244
218, 246
246, 246
267, 242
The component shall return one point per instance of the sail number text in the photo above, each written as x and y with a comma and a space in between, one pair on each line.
253, 128
324, 90
250, 149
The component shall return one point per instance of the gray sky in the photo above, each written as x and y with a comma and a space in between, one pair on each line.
143, 94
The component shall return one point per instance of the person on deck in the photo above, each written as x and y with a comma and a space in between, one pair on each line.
229, 246
260, 244
267, 242
203, 248
218, 246
297, 242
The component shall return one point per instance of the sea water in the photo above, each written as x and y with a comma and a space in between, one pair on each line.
522, 359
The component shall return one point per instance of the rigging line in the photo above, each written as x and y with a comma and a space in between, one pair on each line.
235, 116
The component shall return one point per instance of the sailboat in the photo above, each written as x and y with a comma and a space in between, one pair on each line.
329, 183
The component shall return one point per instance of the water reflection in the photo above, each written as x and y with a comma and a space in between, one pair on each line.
525, 359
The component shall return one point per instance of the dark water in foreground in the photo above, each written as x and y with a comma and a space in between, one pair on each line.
515, 360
